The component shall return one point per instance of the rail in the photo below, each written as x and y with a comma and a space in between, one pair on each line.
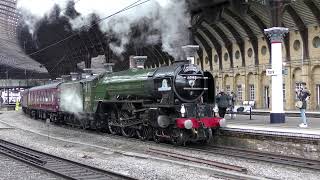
197, 160
261, 156
59, 166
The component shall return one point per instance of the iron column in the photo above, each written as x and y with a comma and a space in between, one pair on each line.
276, 35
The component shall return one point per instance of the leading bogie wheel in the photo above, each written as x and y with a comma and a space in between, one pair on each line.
156, 136
208, 134
178, 137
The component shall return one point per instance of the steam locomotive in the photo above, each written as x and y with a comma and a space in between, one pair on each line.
167, 103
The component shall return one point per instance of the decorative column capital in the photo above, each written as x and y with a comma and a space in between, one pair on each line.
276, 34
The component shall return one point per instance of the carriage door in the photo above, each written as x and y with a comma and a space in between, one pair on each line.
318, 95
266, 98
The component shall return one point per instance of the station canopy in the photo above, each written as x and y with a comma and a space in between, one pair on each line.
14, 63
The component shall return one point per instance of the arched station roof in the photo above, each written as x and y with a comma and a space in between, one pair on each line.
216, 25
220, 23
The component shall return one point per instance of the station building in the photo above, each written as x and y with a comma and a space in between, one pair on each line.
17, 70
237, 51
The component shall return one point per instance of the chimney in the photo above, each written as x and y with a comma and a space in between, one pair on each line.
108, 67
65, 78
74, 76
190, 51
132, 62
137, 62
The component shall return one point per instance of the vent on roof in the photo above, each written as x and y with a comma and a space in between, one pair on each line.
66, 78
108, 67
137, 62
74, 76
87, 73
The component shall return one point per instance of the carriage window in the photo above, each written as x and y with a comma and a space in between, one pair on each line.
46, 96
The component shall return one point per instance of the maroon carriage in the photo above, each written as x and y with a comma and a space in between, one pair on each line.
43, 100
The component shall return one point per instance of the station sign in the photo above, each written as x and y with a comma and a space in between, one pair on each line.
270, 72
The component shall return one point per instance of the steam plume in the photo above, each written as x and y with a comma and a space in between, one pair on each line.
169, 18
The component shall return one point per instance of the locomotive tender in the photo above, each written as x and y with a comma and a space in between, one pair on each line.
172, 102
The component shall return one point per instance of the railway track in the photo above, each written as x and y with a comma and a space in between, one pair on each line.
260, 156
238, 152
235, 152
228, 172
58, 166
197, 160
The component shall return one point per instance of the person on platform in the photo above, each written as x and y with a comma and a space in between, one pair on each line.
223, 102
232, 103
303, 95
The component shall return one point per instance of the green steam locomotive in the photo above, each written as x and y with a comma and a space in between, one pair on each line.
167, 103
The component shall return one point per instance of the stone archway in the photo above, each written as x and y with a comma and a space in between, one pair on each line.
228, 83
265, 91
240, 88
251, 84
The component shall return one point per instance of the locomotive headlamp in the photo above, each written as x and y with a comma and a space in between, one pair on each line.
182, 110
223, 122
188, 124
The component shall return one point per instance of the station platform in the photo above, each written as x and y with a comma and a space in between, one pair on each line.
260, 124
4, 126
266, 112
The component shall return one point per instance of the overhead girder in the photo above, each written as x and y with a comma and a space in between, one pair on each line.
212, 42
302, 29
163, 55
159, 54
286, 41
313, 8
151, 57
156, 57
252, 37
171, 59
261, 25
206, 43
227, 42
237, 37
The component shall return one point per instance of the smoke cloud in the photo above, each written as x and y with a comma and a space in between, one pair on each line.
167, 20
71, 99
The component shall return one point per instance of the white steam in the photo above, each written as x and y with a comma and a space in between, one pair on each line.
71, 99
169, 17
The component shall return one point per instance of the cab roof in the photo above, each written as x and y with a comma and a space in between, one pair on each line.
44, 87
